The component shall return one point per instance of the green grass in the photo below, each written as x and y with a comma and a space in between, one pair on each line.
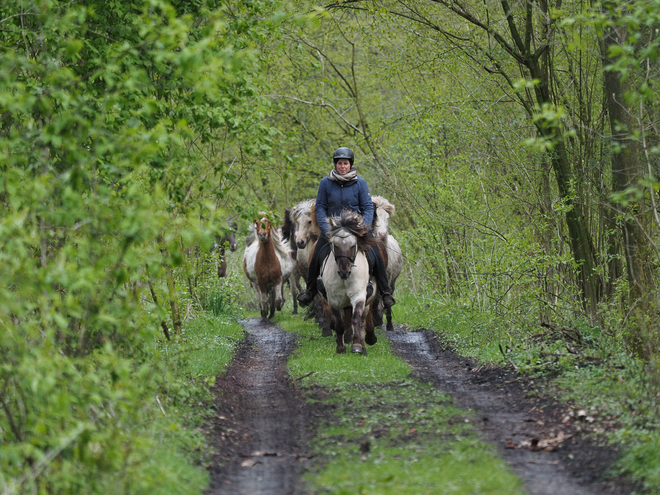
173, 461
417, 443
471, 333
210, 342
317, 355
384, 432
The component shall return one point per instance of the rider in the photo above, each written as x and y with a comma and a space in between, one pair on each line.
342, 188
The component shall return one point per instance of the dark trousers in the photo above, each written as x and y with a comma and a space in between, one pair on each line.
321, 251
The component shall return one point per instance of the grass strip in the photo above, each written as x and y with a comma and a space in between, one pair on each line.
385, 432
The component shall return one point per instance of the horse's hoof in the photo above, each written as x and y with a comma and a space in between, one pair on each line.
327, 332
341, 350
390, 327
294, 312
370, 338
358, 349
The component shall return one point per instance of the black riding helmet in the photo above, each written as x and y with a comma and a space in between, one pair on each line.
345, 153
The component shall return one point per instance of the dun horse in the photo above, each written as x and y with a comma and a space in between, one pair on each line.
307, 233
267, 263
345, 275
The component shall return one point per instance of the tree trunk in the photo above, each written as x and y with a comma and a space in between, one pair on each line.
174, 303
627, 171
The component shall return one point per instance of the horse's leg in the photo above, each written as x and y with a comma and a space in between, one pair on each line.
326, 320
294, 281
369, 330
263, 302
339, 331
388, 314
272, 301
378, 311
279, 296
348, 325
222, 266
357, 322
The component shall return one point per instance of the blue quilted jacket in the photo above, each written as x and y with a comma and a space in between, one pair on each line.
333, 197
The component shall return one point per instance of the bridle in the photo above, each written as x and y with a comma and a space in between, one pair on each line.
349, 258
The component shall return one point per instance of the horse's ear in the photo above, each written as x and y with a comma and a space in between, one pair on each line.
332, 222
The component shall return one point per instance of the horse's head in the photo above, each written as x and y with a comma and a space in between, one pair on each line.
306, 231
227, 238
345, 250
383, 210
348, 236
263, 229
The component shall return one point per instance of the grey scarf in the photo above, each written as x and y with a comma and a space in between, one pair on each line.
342, 179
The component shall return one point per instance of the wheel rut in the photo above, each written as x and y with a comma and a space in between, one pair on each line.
260, 420
528, 434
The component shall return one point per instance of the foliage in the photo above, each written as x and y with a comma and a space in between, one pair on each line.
111, 173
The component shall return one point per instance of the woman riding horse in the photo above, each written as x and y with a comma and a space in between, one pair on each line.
343, 189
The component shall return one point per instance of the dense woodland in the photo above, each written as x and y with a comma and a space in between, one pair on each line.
518, 141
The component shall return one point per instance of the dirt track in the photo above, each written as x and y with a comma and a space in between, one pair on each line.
527, 433
262, 425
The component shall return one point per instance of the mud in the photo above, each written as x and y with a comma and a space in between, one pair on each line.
260, 424
550, 454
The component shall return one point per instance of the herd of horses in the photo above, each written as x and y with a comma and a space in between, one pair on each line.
275, 256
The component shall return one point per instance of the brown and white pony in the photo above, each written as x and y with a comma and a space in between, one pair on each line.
267, 264
345, 275
383, 210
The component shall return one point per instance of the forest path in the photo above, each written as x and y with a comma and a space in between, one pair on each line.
262, 424
545, 452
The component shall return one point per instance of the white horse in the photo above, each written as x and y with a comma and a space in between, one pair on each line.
345, 275
383, 210
267, 263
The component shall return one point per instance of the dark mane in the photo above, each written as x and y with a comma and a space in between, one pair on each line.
288, 227
354, 224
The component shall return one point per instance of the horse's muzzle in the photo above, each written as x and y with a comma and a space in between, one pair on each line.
344, 274
301, 244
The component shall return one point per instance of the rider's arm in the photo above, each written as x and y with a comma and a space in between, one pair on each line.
321, 208
366, 205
